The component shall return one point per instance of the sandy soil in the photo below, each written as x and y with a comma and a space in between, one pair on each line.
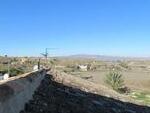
138, 80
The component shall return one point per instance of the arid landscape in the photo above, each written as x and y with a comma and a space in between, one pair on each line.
136, 73
123, 85
74, 56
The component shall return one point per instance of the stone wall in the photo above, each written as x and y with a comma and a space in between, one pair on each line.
16, 91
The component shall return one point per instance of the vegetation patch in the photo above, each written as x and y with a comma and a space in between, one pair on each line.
115, 80
141, 97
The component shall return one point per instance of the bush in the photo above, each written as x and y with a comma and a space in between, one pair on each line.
115, 80
13, 71
124, 65
16, 71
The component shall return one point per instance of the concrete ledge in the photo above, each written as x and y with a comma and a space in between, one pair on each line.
15, 92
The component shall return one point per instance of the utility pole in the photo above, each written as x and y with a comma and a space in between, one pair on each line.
46, 54
39, 64
8, 65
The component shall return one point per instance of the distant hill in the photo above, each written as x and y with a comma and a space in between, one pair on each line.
104, 57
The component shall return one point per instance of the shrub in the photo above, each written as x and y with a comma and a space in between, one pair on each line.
124, 65
16, 71
115, 80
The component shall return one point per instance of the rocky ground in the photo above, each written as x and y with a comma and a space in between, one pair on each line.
53, 97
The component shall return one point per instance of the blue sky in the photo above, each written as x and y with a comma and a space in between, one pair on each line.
104, 27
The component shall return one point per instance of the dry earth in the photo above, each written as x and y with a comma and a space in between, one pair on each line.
136, 80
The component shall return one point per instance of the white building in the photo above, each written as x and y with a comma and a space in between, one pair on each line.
35, 68
4, 77
83, 67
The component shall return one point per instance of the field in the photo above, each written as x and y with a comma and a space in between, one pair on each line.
136, 74
133, 79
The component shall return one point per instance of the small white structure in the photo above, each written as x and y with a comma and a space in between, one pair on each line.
83, 67
35, 68
4, 77
1, 76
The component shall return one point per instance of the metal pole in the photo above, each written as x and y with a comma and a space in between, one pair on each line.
46, 52
8, 67
8, 64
